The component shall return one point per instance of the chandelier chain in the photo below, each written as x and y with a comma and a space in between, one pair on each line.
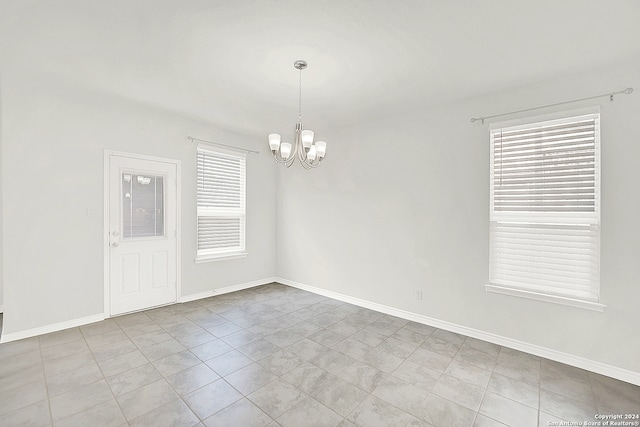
300, 97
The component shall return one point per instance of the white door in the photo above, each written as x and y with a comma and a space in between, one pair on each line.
142, 233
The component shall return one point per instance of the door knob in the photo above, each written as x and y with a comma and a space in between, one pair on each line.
116, 244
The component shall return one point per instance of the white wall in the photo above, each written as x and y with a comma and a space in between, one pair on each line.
403, 204
54, 136
1, 210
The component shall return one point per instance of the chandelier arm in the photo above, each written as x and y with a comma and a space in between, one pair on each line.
305, 160
278, 158
280, 161
313, 164
288, 165
301, 154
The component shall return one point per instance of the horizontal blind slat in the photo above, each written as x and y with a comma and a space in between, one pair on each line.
548, 151
545, 145
542, 127
585, 264
546, 209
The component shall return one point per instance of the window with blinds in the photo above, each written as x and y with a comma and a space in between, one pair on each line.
545, 210
221, 203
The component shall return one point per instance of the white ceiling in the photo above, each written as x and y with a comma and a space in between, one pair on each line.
231, 62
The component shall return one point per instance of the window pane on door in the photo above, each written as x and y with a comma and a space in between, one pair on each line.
142, 206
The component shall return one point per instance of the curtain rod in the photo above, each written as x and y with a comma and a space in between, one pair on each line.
223, 145
627, 91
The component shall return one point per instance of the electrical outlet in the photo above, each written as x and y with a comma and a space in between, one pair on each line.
418, 293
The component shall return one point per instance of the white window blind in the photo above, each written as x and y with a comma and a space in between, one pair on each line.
545, 208
221, 203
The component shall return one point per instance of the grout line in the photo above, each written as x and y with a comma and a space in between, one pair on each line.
539, 397
144, 385
593, 394
46, 385
104, 377
484, 389
539, 388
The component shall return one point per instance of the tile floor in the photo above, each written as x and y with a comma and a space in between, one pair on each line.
278, 356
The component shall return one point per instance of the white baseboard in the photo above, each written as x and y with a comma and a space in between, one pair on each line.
194, 297
51, 328
227, 289
98, 317
569, 359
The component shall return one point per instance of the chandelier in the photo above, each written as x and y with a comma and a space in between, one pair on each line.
310, 154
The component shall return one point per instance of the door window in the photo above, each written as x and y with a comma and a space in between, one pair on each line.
142, 206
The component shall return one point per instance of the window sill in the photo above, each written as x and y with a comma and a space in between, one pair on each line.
221, 257
588, 305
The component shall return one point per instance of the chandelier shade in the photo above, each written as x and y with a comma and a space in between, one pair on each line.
285, 150
308, 153
274, 141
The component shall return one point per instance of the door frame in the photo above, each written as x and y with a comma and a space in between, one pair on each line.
106, 229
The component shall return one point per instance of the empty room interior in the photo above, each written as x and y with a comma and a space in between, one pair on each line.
319, 213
